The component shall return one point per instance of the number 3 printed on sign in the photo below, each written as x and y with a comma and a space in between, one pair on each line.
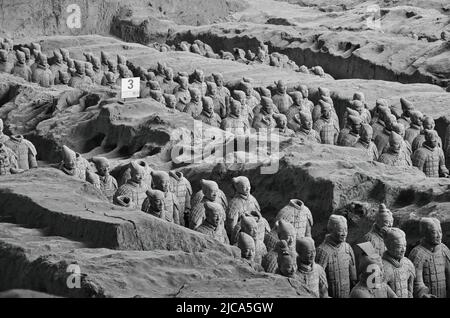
130, 84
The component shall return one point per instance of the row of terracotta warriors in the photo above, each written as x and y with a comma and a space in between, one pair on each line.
261, 56
334, 269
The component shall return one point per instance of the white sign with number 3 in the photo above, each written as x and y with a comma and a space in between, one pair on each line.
131, 87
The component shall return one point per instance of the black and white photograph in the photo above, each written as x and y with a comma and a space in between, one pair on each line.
222, 154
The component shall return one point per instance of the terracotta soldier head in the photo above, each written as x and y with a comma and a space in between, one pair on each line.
323, 91
265, 92
286, 260
431, 138
154, 85
110, 79
239, 96
428, 122
213, 211
57, 56
337, 228
218, 78
235, 107
306, 120
156, 199
358, 106
247, 88
384, 218
325, 109
161, 180
64, 77
69, 157
184, 82
281, 121
355, 123
395, 142
96, 63
21, 58
366, 133
160, 67
407, 107
199, 76
80, 68
306, 251
416, 117
137, 172
168, 74
208, 105
395, 241
27, 52
399, 129
281, 87
195, 94
247, 246
171, 100
249, 226
430, 230
102, 166
121, 60
65, 54
297, 98
211, 89
267, 105
286, 232
210, 189
242, 185
93, 179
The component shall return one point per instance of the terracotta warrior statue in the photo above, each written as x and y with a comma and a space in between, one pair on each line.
234, 122
336, 257
399, 271
286, 261
248, 224
182, 93
264, 117
415, 126
299, 215
170, 102
379, 123
298, 106
431, 259
6, 66
58, 65
281, 99
168, 84
428, 124
430, 158
309, 272
371, 284
382, 139
162, 182
21, 69
156, 205
208, 116
194, 107
365, 142
8, 161
73, 163
199, 81
220, 107
306, 131
97, 69
383, 222
405, 146
350, 139
251, 100
212, 224
394, 156
183, 191
348, 124
222, 91
241, 204
79, 79
282, 127
210, 192
25, 151
248, 250
282, 231
407, 108
133, 192
108, 184
42, 74
325, 126
246, 112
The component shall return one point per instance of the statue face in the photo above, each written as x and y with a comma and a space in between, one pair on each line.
304, 92
208, 107
288, 237
395, 147
169, 74
385, 222
244, 188
157, 204
282, 88
248, 90
433, 234
307, 255
282, 123
213, 217
70, 163
297, 99
236, 109
65, 78
397, 248
432, 141
195, 97
366, 135
248, 253
307, 124
171, 102
212, 90
103, 170
339, 233
137, 176
164, 185
428, 124
219, 81
326, 113
200, 76
288, 266
211, 193
183, 83
269, 109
